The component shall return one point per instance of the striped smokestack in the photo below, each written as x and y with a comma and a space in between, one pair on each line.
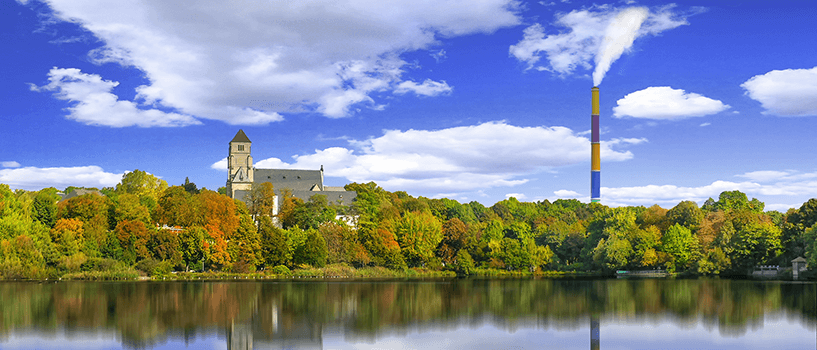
595, 159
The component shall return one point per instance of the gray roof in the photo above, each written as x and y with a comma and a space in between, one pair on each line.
332, 197
240, 137
799, 259
295, 180
79, 192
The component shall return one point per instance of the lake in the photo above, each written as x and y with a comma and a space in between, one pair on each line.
411, 314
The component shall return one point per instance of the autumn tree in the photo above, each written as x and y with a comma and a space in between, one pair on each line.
134, 237
129, 208
141, 184
454, 238
418, 235
92, 210
381, 242
261, 199
67, 236
166, 245
177, 207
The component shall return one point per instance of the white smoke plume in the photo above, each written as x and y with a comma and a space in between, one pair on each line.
618, 37
595, 36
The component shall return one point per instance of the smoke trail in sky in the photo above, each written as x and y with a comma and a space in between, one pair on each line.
593, 38
618, 37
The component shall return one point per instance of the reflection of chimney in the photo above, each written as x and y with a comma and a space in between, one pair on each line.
594, 333
595, 159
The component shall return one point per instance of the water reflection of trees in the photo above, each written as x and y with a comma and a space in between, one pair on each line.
146, 313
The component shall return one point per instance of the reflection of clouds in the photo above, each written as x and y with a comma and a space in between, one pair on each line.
486, 336
774, 332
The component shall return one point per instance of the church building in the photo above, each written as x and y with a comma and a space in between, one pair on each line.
301, 183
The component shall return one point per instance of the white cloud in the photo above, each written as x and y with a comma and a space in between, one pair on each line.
10, 164
247, 62
94, 104
567, 194
705, 124
31, 178
427, 88
666, 103
462, 158
581, 35
760, 184
764, 175
789, 92
518, 196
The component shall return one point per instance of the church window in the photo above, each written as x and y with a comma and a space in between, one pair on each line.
240, 147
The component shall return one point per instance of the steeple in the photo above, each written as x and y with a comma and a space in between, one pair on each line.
239, 164
240, 136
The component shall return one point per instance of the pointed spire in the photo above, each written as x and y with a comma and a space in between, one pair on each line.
241, 137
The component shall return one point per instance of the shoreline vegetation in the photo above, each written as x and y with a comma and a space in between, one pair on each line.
334, 271
145, 229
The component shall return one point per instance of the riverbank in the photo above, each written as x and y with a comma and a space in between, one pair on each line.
342, 271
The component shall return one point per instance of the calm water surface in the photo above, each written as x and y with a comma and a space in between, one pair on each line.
430, 314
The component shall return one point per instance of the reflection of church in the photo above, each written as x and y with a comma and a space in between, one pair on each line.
302, 334
594, 333
301, 183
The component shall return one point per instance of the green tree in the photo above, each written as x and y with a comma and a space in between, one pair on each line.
313, 213
45, 207
274, 247
245, 245
677, 242
686, 214
464, 264
312, 251
190, 187
191, 242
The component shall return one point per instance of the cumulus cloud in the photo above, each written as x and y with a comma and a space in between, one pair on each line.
248, 62
518, 196
789, 92
10, 164
476, 157
93, 103
427, 88
765, 184
32, 178
666, 103
567, 194
586, 36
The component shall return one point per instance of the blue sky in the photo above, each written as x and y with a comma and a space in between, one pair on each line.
476, 100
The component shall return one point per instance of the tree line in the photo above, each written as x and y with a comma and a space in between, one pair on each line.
144, 223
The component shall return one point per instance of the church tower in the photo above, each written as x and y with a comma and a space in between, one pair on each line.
239, 164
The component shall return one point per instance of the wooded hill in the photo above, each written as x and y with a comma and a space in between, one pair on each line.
145, 224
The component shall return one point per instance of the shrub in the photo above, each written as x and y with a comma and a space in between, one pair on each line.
281, 270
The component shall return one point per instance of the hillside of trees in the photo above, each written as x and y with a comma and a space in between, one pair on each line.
129, 227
